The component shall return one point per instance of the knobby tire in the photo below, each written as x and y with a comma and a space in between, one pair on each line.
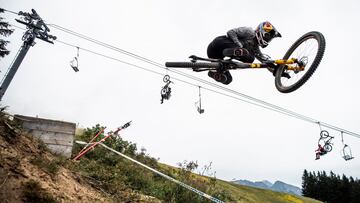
320, 52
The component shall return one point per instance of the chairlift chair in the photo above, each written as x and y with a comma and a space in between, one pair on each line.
75, 63
166, 90
199, 109
346, 152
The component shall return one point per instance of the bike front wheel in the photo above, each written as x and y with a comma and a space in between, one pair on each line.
308, 49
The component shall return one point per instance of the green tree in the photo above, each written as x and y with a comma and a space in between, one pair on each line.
345, 188
4, 31
354, 190
332, 188
309, 184
305, 183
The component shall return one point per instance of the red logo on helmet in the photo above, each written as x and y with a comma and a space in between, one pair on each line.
267, 27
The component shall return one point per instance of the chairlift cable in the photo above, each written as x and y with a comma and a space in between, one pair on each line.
78, 49
12, 25
319, 125
13, 12
272, 106
178, 72
254, 101
180, 80
200, 94
200, 110
213, 199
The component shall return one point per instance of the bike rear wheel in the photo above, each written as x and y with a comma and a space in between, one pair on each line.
213, 65
310, 49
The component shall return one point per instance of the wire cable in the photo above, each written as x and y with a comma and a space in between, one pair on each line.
213, 199
253, 100
305, 118
177, 79
288, 112
13, 12
176, 71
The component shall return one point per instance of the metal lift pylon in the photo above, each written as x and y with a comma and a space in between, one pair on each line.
36, 28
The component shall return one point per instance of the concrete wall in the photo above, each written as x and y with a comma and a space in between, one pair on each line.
57, 135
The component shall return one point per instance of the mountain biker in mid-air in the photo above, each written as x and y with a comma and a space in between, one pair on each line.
243, 44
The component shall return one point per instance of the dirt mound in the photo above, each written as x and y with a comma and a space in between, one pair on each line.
29, 173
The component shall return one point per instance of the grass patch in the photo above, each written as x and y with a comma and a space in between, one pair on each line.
42, 146
113, 173
50, 167
33, 193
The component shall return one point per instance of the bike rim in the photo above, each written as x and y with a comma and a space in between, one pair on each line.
166, 78
324, 134
328, 148
307, 50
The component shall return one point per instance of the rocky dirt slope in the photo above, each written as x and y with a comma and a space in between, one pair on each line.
29, 173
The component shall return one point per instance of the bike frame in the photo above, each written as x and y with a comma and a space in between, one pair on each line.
229, 64
328, 141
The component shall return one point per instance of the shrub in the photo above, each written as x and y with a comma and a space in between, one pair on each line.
111, 172
33, 193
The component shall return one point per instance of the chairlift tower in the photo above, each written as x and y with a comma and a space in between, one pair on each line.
36, 28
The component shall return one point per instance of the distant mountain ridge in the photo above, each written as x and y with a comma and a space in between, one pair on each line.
277, 186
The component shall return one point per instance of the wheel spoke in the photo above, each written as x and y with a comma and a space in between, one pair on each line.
309, 49
306, 49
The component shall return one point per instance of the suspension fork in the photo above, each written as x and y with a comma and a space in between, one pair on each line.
300, 66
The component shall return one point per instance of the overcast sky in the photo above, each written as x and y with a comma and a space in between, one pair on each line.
242, 140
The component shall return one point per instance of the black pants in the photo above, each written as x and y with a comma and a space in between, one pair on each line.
217, 46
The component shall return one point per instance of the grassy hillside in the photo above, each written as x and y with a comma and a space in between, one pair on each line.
250, 194
245, 194
137, 178
29, 173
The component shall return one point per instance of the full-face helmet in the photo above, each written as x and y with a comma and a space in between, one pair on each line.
265, 32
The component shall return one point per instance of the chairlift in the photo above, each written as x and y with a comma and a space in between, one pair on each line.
346, 151
166, 90
75, 63
198, 107
326, 139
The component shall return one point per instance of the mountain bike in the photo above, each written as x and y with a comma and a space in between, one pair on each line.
327, 140
298, 63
